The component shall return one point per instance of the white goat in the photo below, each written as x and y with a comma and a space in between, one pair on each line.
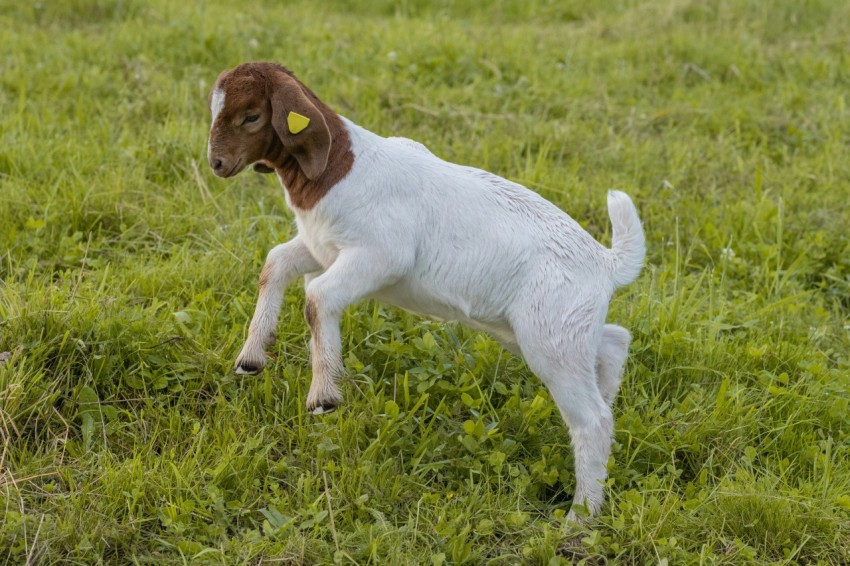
384, 218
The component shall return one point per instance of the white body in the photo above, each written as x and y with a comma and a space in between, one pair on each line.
458, 243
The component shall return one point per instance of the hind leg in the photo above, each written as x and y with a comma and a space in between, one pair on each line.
611, 359
565, 361
506, 338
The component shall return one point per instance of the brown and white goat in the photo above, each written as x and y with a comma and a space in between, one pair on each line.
384, 218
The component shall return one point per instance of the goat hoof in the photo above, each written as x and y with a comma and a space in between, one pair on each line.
323, 409
247, 368
579, 515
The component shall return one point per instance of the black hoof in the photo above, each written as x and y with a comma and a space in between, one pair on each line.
248, 369
323, 409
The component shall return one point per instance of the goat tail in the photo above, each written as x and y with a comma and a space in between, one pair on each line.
629, 243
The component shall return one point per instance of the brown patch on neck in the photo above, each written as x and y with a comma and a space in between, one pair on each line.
304, 193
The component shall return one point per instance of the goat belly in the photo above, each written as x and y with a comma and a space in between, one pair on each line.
414, 298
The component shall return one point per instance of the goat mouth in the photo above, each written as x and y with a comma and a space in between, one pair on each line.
233, 170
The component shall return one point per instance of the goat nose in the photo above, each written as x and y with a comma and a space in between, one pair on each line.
216, 164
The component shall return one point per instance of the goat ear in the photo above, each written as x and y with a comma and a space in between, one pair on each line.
308, 143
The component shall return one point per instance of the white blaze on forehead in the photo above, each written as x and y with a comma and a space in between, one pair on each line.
217, 102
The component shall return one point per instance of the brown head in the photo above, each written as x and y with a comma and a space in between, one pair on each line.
263, 115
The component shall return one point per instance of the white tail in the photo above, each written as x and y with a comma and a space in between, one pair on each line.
629, 244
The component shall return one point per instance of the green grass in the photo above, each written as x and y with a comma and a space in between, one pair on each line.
129, 276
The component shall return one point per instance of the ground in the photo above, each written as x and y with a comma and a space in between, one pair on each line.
129, 276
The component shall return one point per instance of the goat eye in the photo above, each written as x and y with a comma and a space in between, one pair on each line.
252, 118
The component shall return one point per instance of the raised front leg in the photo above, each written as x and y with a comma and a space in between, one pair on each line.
355, 274
283, 264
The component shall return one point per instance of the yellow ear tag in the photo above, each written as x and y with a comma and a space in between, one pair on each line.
297, 122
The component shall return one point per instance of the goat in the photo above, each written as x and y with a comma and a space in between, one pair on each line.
385, 218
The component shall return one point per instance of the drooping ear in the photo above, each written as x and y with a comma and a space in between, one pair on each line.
300, 126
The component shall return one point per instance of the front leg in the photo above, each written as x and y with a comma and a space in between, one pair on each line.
356, 274
283, 264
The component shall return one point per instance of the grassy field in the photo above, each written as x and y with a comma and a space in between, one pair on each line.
128, 276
